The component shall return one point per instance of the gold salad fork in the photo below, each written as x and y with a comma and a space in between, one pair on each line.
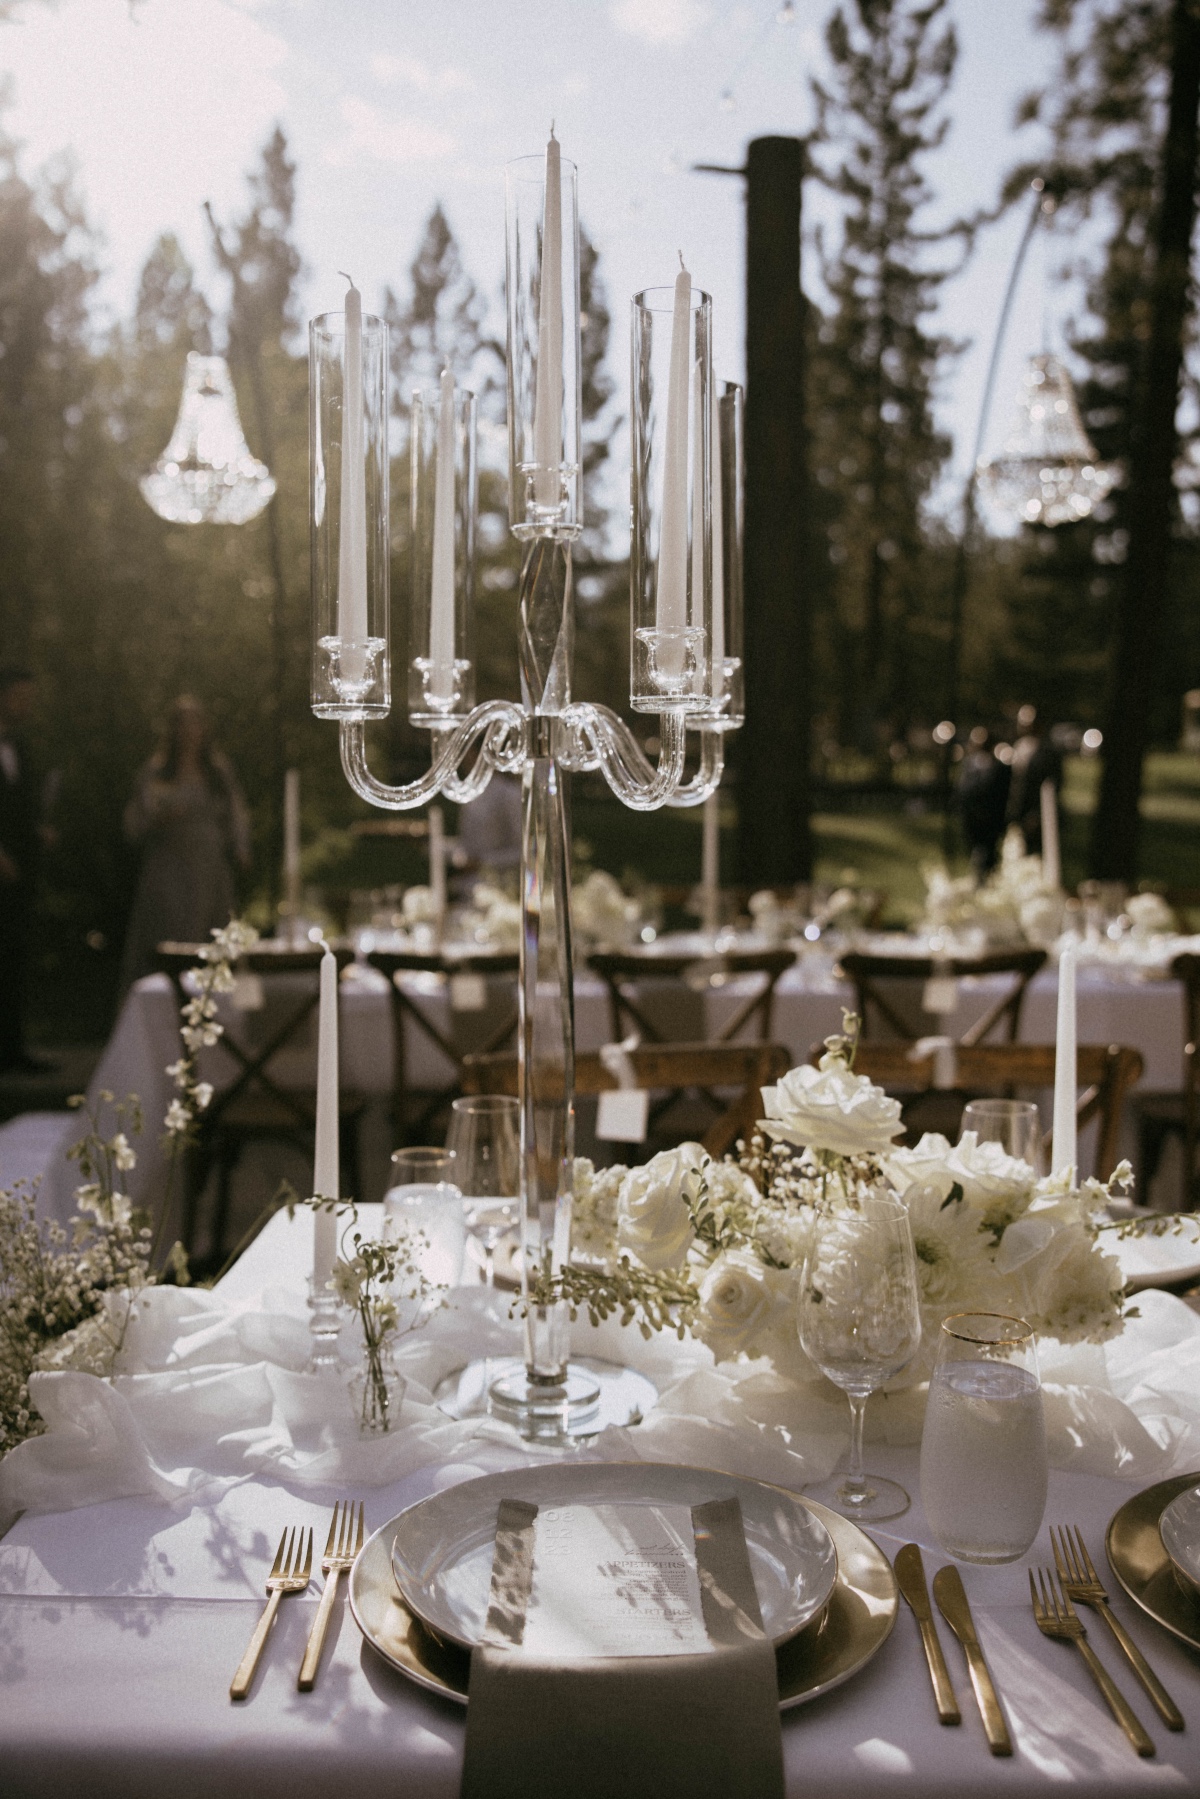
1080, 1581
1057, 1617
289, 1574
344, 1542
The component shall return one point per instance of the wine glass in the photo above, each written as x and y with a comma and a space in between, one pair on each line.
1015, 1124
860, 1322
485, 1140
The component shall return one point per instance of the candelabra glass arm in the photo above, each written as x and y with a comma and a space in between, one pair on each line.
496, 730
707, 777
594, 737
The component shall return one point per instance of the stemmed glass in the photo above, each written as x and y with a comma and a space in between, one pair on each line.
860, 1322
485, 1140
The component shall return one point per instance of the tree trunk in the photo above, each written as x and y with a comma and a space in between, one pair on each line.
1153, 447
775, 841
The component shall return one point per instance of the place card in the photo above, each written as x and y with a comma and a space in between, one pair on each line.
468, 993
615, 1580
623, 1115
940, 995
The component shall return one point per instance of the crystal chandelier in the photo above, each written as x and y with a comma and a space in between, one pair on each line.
1047, 472
206, 475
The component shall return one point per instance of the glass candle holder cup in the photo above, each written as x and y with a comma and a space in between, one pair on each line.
348, 516
983, 1449
443, 478
544, 368
670, 570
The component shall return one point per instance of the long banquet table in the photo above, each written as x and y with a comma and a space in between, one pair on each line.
121, 1624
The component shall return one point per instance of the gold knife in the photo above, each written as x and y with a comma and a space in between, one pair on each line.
952, 1603
910, 1573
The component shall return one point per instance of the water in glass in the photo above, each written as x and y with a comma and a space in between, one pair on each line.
983, 1451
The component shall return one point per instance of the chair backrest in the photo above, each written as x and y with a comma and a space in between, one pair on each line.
620, 971
865, 970
746, 1066
1106, 1072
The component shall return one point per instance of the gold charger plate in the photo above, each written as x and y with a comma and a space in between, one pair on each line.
1142, 1565
855, 1624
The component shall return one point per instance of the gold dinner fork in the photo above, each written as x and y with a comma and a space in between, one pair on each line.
1080, 1581
1057, 1617
341, 1548
287, 1576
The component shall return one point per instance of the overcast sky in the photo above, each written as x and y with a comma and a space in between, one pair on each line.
390, 105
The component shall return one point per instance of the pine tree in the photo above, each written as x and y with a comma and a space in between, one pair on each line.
876, 451
1122, 114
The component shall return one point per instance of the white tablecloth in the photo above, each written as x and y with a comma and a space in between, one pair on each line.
121, 1624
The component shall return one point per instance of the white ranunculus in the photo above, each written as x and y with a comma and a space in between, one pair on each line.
738, 1302
653, 1222
986, 1174
831, 1108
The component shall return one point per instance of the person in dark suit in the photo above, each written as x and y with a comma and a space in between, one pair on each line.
1036, 758
983, 786
20, 847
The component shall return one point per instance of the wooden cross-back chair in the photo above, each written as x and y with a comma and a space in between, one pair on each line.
747, 1066
486, 965
620, 971
1105, 1072
1161, 1115
865, 971
254, 1107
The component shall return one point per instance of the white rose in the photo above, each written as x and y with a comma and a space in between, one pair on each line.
984, 1171
653, 1221
831, 1108
737, 1304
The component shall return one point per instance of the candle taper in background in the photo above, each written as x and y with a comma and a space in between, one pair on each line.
442, 580
291, 842
1065, 1080
1051, 858
710, 867
437, 859
548, 390
325, 1160
352, 538
671, 609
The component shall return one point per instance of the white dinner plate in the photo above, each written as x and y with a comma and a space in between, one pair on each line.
1179, 1528
442, 1549
1158, 1261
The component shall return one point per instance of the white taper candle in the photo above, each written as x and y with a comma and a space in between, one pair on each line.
437, 858
441, 598
548, 389
1065, 1088
710, 865
291, 840
1051, 857
325, 1160
352, 533
718, 553
671, 598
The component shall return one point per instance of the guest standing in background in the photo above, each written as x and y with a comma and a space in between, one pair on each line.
983, 800
1035, 759
20, 847
188, 814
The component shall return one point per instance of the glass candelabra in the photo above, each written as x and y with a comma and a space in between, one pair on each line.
548, 735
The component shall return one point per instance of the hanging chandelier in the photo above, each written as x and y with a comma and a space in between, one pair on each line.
1047, 472
207, 475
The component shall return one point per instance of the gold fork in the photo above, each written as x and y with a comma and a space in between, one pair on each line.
1058, 1618
1080, 1581
287, 1576
343, 1545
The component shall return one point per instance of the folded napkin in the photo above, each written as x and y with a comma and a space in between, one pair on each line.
698, 1726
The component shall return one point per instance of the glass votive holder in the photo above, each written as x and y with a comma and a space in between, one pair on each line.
983, 1449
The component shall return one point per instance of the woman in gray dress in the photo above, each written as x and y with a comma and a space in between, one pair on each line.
188, 814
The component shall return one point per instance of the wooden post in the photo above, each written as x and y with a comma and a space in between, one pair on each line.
773, 750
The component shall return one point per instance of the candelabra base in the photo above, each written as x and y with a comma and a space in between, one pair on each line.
325, 1324
596, 1395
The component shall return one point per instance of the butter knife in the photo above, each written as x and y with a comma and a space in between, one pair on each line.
952, 1603
910, 1573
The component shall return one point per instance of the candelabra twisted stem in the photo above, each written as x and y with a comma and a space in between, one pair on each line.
498, 728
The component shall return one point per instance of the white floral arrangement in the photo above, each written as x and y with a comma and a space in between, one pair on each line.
1013, 905
718, 1248
603, 913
